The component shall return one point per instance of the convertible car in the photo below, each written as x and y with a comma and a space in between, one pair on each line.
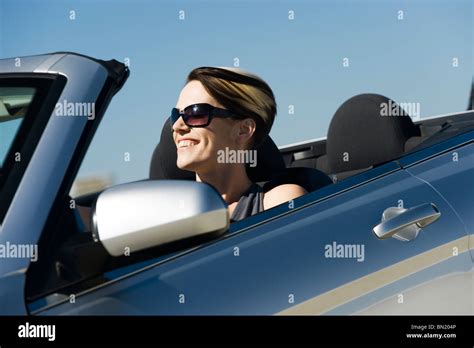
387, 225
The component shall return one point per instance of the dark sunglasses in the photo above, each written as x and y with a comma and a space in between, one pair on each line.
199, 115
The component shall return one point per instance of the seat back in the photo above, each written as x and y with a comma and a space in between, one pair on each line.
360, 135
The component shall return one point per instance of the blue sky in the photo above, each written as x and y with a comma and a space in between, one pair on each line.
408, 60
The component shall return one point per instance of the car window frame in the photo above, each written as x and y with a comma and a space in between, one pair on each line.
48, 89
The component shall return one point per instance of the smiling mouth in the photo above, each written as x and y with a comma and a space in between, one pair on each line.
186, 144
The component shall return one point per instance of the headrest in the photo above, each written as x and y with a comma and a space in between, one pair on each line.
360, 135
163, 162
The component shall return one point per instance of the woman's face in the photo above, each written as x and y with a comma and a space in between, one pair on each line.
198, 147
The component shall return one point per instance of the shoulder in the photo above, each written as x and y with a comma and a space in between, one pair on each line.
281, 194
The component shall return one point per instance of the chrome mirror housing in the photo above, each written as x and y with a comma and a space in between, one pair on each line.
139, 215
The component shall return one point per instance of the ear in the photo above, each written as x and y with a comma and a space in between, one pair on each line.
245, 130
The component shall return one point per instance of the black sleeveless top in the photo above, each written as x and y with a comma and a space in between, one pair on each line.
249, 204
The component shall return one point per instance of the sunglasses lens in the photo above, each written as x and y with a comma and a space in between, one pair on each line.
197, 116
198, 120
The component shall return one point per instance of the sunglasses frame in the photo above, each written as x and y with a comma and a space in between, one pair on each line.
212, 112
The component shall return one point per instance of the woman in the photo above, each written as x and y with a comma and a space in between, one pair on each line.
221, 110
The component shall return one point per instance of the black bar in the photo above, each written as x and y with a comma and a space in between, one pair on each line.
260, 330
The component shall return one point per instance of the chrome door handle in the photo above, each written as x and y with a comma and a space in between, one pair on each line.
405, 224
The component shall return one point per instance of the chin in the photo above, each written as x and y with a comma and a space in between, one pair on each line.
191, 164
184, 164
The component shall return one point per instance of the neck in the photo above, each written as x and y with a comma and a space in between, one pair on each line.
230, 180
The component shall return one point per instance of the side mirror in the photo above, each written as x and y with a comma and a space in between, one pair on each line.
146, 214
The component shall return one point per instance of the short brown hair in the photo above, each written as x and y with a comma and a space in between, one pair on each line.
241, 92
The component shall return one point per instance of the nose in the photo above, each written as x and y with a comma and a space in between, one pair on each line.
179, 125
179, 128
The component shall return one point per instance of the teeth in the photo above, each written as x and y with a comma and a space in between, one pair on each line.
186, 143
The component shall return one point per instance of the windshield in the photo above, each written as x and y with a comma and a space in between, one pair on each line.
14, 104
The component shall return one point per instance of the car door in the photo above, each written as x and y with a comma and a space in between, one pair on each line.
46, 150
451, 174
317, 254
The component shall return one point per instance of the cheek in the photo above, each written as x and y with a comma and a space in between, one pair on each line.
212, 145
207, 143
223, 136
